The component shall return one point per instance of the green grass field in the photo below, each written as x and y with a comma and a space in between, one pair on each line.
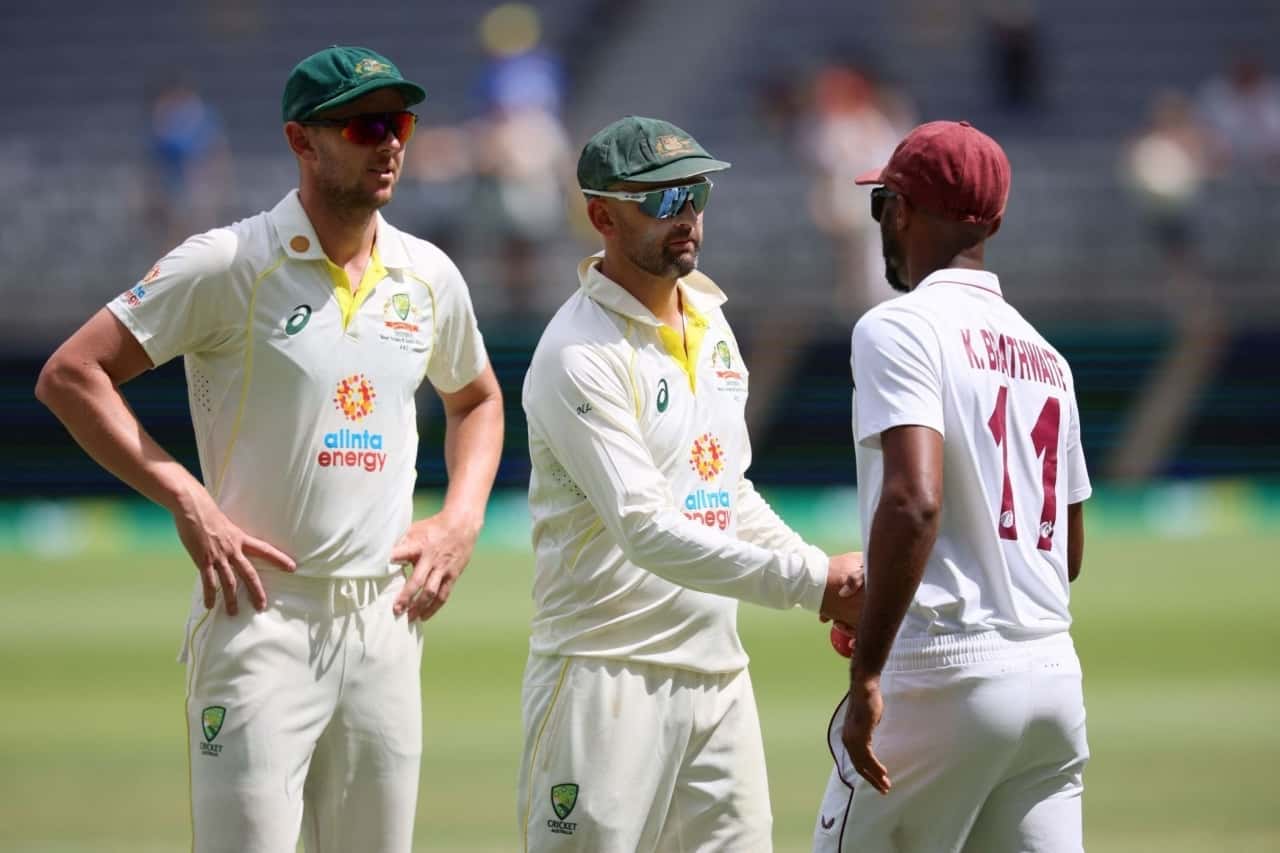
1178, 637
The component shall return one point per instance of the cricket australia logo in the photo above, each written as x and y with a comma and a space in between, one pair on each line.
211, 720
402, 322
368, 66
563, 798
354, 397
727, 377
400, 302
722, 355
670, 145
706, 458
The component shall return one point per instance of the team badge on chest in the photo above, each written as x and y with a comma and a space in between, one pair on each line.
402, 321
729, 375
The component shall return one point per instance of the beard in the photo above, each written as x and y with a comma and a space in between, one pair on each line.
349, 197
893, 262
891, 276
658, 259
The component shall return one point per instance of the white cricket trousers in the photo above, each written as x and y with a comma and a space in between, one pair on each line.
984, 741
304, 718
623, 757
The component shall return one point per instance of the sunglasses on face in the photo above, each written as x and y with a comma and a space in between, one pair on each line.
370, 128
879, 195
666, 202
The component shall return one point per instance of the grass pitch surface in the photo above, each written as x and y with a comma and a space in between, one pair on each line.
1179, 640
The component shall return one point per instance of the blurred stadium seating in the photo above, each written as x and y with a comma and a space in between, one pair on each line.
1074, 251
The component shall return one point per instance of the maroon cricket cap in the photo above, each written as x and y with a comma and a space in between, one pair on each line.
950, 168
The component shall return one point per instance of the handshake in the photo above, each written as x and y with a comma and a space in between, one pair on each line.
842, 601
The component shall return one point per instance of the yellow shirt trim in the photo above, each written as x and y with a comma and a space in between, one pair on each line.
684, 348
186, 704
350, 303
247, 378
534, 776
431, 291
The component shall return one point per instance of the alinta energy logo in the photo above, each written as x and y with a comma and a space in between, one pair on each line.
349, 448
354, 397
133, 296
706, 458
713, 508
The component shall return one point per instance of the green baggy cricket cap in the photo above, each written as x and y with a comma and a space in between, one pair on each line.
337, 75
645, 150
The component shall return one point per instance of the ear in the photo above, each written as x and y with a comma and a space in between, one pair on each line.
902, 211
995, 226
600, 216
299, 141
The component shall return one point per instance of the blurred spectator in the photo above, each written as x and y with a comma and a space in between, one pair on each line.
1242, 110
190, 164
522, 154
438, 175
852, 125
780, 102
1165, 167
1014, 54
234, 19
847, 133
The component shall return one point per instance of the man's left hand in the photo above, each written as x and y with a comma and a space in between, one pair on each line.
438, 548
860, 720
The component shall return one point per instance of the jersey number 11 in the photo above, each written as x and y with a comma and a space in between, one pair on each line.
1044, 441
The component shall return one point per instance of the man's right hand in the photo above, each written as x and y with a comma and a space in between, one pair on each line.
846, 589
221, 552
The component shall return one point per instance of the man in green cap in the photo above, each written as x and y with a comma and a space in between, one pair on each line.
641, 732
306, 332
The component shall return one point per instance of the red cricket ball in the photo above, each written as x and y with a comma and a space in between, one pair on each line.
841, 642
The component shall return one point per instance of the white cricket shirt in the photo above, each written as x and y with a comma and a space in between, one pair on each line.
645, 529
301, 391
952, 355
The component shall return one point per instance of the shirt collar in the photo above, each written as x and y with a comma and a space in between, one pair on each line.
980, 279
701, 292
298, 237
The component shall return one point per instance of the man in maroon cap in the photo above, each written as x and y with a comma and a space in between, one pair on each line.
965, 715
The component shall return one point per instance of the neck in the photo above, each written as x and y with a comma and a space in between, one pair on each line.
920, 268
343, 234
660, 295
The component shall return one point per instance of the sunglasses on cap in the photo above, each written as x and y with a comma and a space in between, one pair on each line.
879, 195
666, 202
370, 128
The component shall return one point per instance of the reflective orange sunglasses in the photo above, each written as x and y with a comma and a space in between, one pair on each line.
370, 128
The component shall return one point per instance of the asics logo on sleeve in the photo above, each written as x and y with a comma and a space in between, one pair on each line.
297, 321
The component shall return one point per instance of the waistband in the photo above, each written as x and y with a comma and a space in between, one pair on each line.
331, 595
316, 595
958, 649
541, 666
